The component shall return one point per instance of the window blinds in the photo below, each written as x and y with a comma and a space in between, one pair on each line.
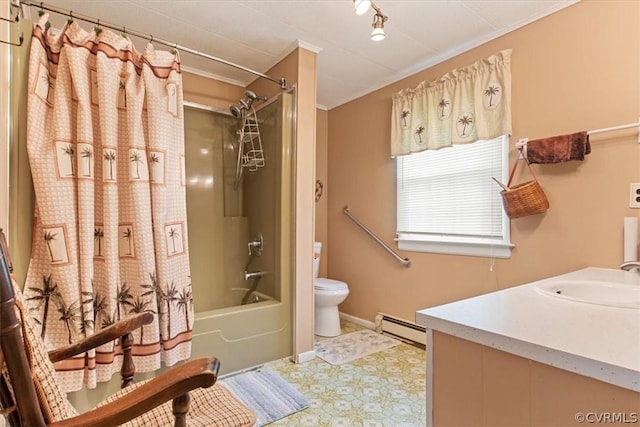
450, 191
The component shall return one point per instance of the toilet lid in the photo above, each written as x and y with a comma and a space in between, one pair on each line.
330, 285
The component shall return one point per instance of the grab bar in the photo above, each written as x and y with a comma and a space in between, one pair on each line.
404, 261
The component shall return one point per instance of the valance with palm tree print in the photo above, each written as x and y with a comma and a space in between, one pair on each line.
463, 106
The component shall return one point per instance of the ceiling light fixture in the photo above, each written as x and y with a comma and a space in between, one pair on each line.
361, 7
378, 26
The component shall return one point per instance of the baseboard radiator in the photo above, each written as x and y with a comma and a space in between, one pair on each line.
401, 329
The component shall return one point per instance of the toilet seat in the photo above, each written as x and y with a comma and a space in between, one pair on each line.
323, 284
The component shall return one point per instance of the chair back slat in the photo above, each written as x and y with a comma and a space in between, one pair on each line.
13, 349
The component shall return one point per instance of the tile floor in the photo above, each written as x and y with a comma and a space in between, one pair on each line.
384, 389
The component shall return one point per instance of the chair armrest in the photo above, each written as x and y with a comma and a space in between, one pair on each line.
106, 335
177, 381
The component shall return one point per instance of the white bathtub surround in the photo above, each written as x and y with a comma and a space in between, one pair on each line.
597, 341
233, 334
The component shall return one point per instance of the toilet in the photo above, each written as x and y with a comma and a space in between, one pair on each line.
328, 294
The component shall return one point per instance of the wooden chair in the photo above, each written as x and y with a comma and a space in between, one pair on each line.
184, 395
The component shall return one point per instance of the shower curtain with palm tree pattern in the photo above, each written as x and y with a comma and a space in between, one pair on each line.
105, 140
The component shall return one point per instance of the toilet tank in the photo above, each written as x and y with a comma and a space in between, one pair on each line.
317, 248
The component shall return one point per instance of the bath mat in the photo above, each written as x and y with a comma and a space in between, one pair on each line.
352, 346
267, 394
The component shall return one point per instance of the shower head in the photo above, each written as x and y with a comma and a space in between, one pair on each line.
245, 104
236, 111
253, 97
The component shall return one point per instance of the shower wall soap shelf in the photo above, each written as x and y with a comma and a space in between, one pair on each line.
253, 157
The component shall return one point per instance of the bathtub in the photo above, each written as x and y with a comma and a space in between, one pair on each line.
233, 334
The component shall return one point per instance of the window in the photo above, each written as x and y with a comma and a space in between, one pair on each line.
448, 202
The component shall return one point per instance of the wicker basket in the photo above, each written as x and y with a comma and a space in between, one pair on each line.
523, 199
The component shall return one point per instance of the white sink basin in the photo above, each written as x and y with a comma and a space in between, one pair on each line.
593, 292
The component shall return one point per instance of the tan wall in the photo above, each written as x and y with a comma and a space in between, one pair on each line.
207, 91
299, 70
322, 145
575, 70
474, 385
305, 215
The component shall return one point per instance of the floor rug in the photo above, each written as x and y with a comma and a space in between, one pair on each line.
267, 394
352, 346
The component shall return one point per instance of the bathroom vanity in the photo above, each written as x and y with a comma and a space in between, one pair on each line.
557, 352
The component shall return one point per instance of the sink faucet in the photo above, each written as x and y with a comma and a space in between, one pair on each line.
630, 265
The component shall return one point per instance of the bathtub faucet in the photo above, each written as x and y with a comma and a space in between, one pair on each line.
254, 274
256, 244
630, 265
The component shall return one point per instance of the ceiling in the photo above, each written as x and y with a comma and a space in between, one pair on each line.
257, 34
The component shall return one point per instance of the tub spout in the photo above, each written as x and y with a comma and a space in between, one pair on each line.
253, 274
630, 265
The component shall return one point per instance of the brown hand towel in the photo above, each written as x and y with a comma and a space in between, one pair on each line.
559, 148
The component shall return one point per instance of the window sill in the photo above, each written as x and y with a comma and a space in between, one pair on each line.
467, 246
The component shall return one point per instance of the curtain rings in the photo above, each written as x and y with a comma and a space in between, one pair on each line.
47, 24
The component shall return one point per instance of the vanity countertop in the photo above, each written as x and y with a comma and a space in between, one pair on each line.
597, 341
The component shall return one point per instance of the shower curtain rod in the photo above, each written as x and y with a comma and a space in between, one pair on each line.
150, 38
